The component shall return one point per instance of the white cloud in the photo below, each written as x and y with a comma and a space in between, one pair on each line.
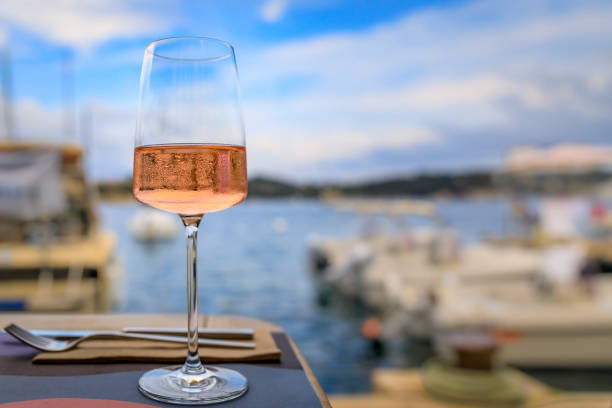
341, 143
515, 72
440, 86
443, 42
83, 23
273, 10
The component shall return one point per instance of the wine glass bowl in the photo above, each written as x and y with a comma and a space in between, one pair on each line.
190, 159
190, 179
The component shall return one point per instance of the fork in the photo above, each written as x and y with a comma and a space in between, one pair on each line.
47, 344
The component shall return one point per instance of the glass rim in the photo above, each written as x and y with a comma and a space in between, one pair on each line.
150, 48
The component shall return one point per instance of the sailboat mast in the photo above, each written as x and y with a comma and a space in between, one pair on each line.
7, 91
69, 114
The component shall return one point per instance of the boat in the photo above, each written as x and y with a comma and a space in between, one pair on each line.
53, 254
344, 265
544, 291
150, 225
547, 299
567, 329
397, 273
562, 316
403, 283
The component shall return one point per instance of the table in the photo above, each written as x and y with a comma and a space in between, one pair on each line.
292, 359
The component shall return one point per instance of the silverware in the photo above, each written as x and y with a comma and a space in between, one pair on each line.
208, 333
47, 344
205, 332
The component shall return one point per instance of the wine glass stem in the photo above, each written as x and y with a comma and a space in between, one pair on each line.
192, 364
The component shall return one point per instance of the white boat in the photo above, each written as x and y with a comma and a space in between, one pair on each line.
345, 265
536, 299
150, 225
562, 317
416, 258
53, 255
403, 281
567, 329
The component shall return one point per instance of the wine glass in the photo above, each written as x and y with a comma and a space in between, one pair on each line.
190, 159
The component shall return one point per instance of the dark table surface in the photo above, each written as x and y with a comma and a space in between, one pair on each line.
285, 383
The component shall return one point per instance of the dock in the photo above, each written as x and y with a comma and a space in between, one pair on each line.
402, 388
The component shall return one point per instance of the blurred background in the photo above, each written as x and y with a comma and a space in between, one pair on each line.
427, 178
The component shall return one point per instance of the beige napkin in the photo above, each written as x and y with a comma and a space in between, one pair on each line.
153, 351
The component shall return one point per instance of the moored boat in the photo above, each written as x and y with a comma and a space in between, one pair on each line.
53, 255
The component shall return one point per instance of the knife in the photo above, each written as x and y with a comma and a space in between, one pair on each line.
204, 332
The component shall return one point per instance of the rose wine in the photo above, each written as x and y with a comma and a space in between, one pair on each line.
190, 179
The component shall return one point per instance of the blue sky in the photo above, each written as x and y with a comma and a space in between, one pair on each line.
332, 90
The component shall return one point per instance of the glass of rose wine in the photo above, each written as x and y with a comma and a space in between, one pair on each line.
190, 159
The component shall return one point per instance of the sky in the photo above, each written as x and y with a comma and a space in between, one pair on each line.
332, 90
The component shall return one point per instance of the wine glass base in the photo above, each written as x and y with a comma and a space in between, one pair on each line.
174, 386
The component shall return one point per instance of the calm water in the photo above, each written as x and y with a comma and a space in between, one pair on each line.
248, 267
